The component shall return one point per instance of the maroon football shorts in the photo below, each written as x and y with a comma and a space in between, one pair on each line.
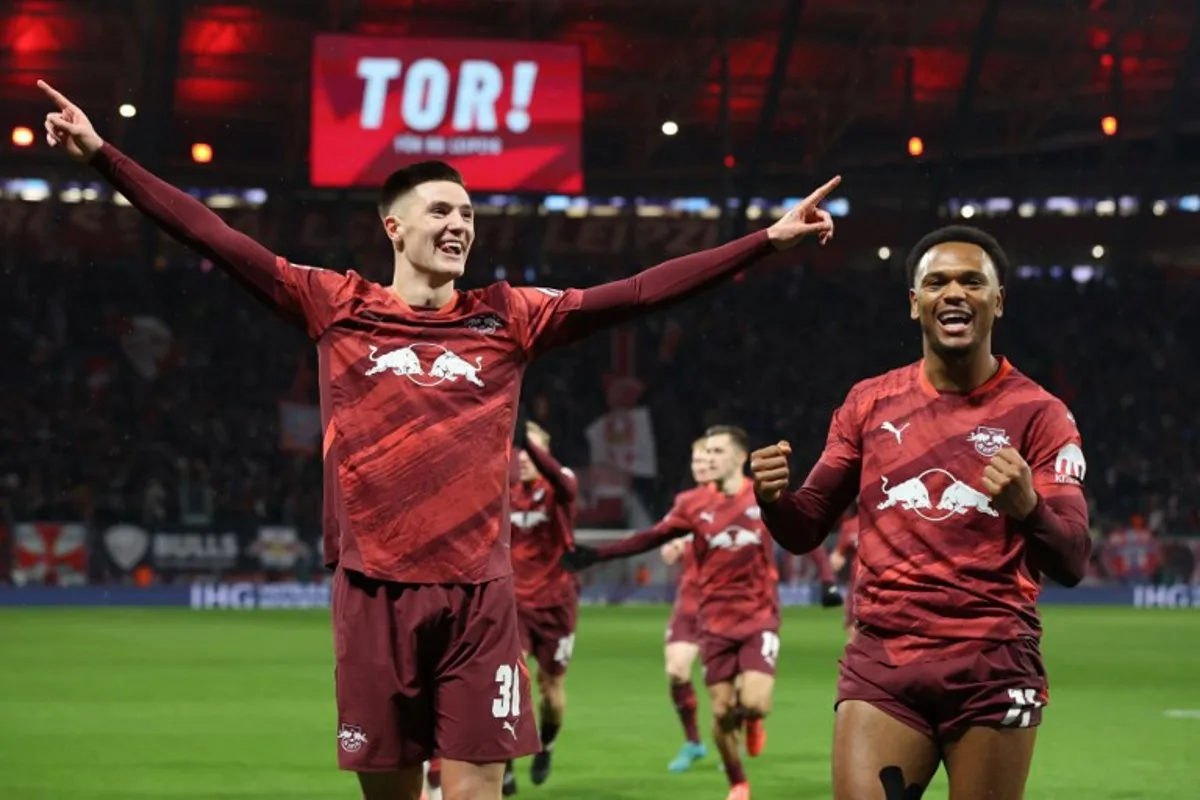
684, 625
428, 670
1002, 684
725, 657
548, 634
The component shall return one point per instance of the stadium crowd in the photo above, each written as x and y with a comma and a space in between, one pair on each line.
153, 392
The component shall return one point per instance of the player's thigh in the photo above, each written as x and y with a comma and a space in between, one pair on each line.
462, 780
754, 694
679, 657
878, 757
384, 701
405, 784
987, 763
483, 699
722, 699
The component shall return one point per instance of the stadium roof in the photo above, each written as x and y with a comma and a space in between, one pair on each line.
840, 84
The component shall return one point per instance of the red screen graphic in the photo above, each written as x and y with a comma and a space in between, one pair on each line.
507, 114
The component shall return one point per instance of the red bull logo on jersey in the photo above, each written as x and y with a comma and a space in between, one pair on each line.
988, 441
351, 738
733, 538
954, 498
527, 520
410, 361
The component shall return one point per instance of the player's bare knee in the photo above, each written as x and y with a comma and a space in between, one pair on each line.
756, 706
465, 781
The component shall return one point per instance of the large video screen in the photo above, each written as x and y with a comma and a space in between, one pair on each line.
507, 114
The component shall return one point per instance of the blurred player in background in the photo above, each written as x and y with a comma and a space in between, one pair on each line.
683, 628
845, 553
418, 384
739, 596
969, 478
543, 515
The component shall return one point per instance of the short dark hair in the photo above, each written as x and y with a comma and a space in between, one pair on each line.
404, 180
738, 435
958, 233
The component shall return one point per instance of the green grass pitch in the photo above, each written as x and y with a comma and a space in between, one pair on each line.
137, 704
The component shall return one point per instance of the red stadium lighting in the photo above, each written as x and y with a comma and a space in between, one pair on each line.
730, 162
916, 147
22, 136
1109, 125
202, 153
1106, 60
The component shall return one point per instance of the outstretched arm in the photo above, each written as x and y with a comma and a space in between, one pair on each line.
642, 542
184, 218
563, 480
575, 314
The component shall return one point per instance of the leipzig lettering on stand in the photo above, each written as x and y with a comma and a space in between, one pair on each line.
507, 114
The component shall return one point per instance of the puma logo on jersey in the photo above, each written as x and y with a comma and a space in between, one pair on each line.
894, 431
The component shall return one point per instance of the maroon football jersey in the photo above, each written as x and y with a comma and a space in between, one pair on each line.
735, 557
937, 564
687, 593
542, 521
418, 412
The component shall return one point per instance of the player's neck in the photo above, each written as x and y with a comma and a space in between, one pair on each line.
732, 484
963, 375
420, 289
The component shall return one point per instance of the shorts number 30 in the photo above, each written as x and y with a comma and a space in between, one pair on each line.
508, 702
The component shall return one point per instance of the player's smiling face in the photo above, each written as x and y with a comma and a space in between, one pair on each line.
726, 458
702, 471
957, 297
529, 472
433, 227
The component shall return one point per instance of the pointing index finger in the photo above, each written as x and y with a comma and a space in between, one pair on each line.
54, 94
814, 199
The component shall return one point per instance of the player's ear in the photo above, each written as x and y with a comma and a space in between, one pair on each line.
393, 227
1000, 303
914, 308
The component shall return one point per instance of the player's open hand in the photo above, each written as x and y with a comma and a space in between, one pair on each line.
70, 127
580, 558
537, 434
769, 467
1009, 481
806, 218
672, 551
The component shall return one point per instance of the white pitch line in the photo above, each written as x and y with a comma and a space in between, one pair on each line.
1182, 713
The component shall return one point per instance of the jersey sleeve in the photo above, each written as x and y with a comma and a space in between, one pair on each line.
316, 297
538, 312
1055, 454
304, 296
571, 315
799, 521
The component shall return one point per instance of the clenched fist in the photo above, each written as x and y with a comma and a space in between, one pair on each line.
1009, 481
769, 467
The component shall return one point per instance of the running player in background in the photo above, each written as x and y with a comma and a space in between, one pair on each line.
543, 516
969, 477
845, 553
739, 597
683, 629
418, 385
